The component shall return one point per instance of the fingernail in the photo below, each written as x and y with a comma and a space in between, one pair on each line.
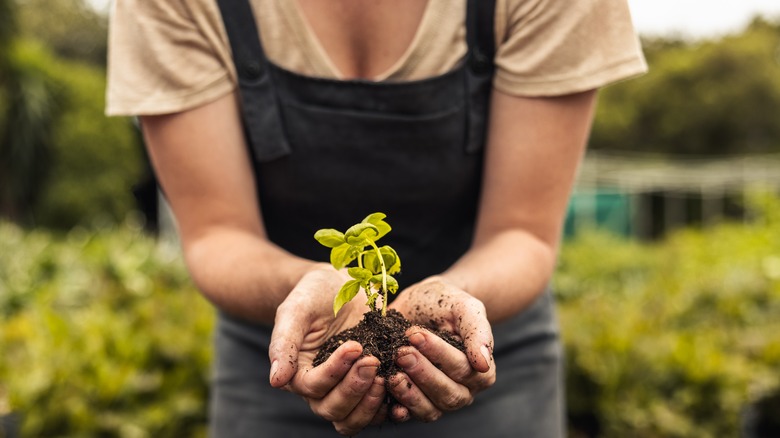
407, 361
367, 372
486, 354
352, 355
274, 369
377, 388
417, 339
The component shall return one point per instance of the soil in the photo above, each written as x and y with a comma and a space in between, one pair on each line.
381, 337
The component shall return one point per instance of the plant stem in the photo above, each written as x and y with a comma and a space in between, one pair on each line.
384, 279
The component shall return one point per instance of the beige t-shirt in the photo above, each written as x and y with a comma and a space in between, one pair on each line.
171, 55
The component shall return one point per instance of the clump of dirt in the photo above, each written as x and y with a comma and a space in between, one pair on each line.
381, 337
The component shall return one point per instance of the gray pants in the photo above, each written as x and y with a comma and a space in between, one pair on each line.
526, 401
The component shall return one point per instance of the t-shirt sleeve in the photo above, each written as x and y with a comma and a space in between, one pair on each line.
554, 47
161, 60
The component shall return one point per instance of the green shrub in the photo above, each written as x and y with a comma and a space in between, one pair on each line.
675, 339
101, 335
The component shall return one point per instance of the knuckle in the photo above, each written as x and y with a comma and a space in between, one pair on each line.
431, 416
455, 401
472, 304
407, 396
328, 414
398, 383
277, 345
284, 310
462, 371
486, 381
345, 429
355, 388
481, 383
307, 389
475, 303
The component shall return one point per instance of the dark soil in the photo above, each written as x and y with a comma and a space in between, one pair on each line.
380, 337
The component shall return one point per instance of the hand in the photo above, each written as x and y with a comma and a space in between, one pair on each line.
438, 377
345, 389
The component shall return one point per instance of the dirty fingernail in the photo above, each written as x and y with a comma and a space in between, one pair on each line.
274, 369
486, 354
417, 339
367, 372
407, 361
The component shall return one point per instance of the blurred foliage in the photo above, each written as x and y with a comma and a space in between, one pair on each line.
62, 162
7, 26
675, 339
27, 114
702, 97
83, 168
101, 335
96, 159
70, 28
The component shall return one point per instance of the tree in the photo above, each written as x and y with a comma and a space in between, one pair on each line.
62, 162
705, 97
72, 29
27, 109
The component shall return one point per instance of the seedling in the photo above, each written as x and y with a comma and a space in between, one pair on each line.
375, 265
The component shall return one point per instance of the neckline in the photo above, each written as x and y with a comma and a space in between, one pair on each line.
309, 37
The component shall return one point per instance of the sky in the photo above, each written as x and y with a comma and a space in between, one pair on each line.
698, 18
686, 18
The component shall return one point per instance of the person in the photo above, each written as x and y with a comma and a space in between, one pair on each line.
463, 120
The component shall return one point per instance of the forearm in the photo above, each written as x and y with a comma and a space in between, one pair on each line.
202, 161
506, 272
242, 273
534, 148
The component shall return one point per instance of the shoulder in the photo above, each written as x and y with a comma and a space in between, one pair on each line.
552, 47
166, 56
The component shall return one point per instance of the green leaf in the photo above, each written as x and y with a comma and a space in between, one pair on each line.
371, 262
374, 218
392, 261
330, 237
392, 283
360, 274
342, 255
345, 295
360, 234
377, 219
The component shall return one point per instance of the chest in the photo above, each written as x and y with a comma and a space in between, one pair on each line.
363, 38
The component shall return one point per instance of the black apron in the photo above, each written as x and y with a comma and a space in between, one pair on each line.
326, 153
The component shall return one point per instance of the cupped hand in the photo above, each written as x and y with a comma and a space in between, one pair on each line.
345, 389
438, 377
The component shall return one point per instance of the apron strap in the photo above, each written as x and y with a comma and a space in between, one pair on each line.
480, 35
480, 65
252, 68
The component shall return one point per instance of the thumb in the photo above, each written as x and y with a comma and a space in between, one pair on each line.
477, 335
286, 339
